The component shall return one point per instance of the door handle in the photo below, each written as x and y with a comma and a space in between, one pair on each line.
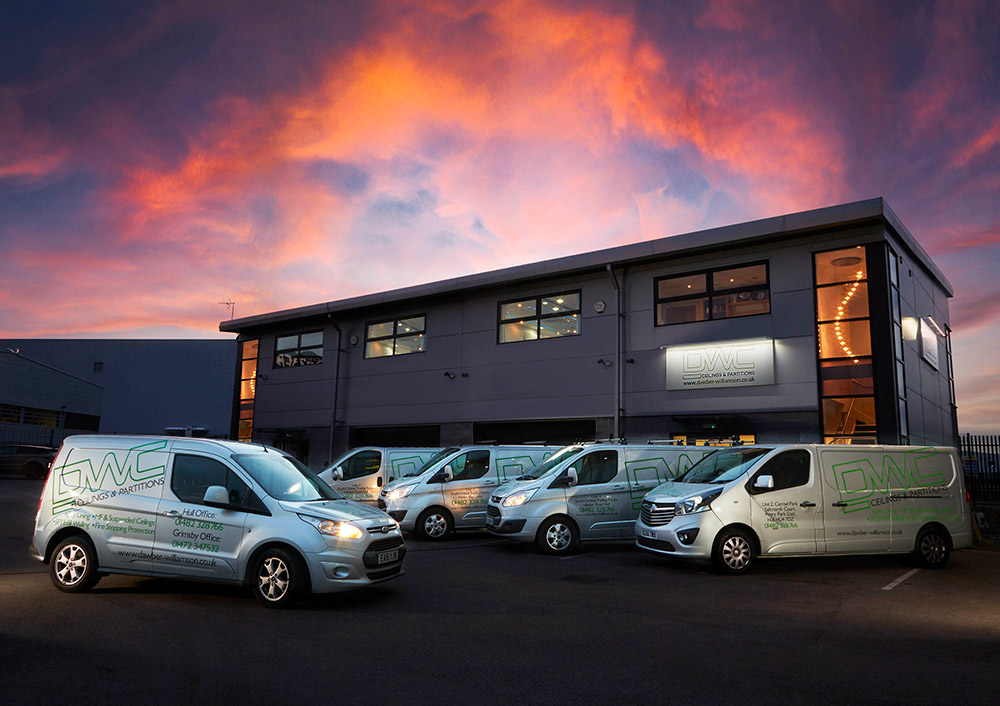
378, 481
618, 486
171, 513
840, 503
807, 504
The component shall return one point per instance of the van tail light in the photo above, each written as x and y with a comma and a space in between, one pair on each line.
968, 497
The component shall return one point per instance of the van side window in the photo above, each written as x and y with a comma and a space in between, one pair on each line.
192, 475
470, 466
789, 470
362, 464
597, 467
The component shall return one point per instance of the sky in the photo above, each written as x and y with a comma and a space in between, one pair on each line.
160, 159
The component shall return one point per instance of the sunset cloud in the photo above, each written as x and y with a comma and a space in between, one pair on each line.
158, 160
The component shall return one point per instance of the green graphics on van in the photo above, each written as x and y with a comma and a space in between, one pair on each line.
119, 473
515, 466
910, 474
403, 465
661, 467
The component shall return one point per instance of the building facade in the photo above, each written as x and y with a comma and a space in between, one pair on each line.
149, 385
828, 325
41, 406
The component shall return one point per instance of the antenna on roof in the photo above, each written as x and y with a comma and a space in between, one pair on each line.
231, 306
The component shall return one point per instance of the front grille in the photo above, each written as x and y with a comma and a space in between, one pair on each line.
654, 515
381, 503
495, 499
661, 544
385, 573
381, 545
493, 511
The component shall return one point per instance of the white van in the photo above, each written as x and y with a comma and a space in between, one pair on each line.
452, 489
584, 492
361, 473
210, 510
809, 499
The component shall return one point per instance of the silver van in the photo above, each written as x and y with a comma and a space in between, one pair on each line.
361, 473
209, 510
811, 499
451, 490
585, 492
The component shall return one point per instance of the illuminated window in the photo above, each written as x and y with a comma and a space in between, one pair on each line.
396, 337
843, 332
298, 349
248, 388
714, 294
551, 316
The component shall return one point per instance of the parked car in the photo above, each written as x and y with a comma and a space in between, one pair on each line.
360, 473
807, 500
26, 460
210, 510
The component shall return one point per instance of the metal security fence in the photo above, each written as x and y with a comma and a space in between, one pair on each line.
981, 458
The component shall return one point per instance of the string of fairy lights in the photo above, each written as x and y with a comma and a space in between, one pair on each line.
840, 315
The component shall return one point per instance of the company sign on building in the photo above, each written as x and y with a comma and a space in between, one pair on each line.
723, 364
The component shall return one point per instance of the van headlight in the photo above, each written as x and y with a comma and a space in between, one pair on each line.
397, 493
333, 528
696, 503
518, 499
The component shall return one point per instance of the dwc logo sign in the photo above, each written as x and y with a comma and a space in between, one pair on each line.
727, 364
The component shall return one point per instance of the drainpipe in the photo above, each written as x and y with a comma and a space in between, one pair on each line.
618, 350
336, 387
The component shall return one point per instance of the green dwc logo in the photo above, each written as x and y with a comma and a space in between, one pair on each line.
74, 478
860, 482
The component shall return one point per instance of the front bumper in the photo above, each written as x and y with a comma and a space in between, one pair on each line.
674, 538
510, 524
334, 571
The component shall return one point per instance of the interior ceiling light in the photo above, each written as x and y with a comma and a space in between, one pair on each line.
846, 261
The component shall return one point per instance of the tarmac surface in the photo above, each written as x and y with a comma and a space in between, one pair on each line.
477, 620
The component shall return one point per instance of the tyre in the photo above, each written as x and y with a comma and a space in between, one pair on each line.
558, 535
433, 524
932, 548
278, 577
73, 566
734, 551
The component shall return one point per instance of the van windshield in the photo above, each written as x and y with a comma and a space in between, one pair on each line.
548, 465
432, 461
722, 466
285, 478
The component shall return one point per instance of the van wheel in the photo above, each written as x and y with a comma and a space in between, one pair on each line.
278, 577
932, 548
734, 552
433, 524
73, 567
557, 535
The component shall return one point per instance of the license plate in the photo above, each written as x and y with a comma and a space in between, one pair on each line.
388, 557
648, 534
489, 520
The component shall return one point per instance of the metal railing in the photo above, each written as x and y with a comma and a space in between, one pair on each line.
981, 459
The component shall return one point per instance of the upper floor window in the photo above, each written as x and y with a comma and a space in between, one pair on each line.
396, 337
552, 316
714, 294
298, 349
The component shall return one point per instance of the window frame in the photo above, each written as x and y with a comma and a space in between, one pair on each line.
539, 317
296, 352
253, 505
710, 293
395, 335
763, 471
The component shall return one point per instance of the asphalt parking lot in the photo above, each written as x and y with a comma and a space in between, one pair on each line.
480, 620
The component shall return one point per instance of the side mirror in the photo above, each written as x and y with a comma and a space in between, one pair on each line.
566, 479
447, 474
764, 483
216, 496
338, 473
326, 476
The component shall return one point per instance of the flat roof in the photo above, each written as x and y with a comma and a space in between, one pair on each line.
741, 234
